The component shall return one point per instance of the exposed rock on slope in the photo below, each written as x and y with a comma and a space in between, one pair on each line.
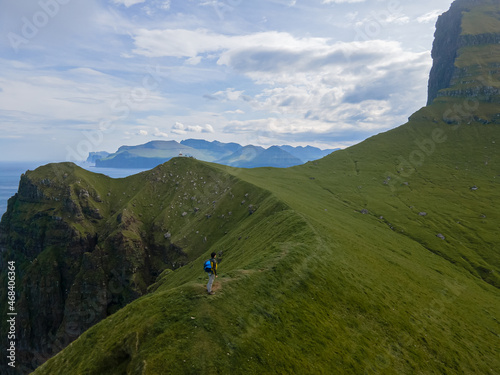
465, 52
86, 245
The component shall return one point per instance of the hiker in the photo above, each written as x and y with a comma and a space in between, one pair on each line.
211, 268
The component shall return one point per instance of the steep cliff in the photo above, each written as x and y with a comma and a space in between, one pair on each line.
86, 245
465, 52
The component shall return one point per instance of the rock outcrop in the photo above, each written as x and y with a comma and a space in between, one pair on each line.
465, 54
81, 257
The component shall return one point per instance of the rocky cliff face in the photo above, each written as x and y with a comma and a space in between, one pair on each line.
86, 245
465, 52
444, 51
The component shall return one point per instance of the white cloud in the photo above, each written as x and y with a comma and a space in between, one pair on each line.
313, 84
153, 7
342, 1
236, 112
207, 128
180, 128
229, 94
185, 43
429, 17
128, 3
158, 133
165, 5
194, 60
70, 103
47, 96
291, 76
375, 21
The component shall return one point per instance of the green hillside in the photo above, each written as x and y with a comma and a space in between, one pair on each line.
383, 258
311, 283
482, 20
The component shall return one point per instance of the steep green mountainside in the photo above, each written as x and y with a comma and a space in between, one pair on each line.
383, 258
254, 157
436, 184
348, 276
86, 245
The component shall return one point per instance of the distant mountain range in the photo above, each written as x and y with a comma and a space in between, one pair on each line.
153, 153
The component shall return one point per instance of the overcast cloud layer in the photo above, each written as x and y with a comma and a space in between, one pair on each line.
80, 76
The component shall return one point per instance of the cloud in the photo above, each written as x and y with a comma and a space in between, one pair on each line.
153, 7
375, 21
310, 83
229, 94
185, 43
429, 17
160, 134
290, 77
70, 103
275, 130
207, 128
236, 112
179, 128
165, 4
316, 82
342, 1
128, 3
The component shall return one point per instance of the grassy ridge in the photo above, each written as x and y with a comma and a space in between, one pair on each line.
86, 245
311, 283
382, 258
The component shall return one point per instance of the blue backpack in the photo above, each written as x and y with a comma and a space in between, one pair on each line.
207, 266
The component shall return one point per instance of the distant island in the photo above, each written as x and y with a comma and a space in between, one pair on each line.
153, 153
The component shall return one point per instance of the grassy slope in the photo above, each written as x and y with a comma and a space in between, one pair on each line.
312, 285
174, 198
479, 63
481, 20
309, 284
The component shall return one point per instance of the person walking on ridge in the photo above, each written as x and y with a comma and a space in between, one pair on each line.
211, 268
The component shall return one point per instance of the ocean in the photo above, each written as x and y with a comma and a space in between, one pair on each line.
10, 174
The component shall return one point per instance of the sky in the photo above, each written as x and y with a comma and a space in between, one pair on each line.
80, 76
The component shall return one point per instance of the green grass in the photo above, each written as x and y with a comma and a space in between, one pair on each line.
481, 20
382, 258
476, 74
309, 284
